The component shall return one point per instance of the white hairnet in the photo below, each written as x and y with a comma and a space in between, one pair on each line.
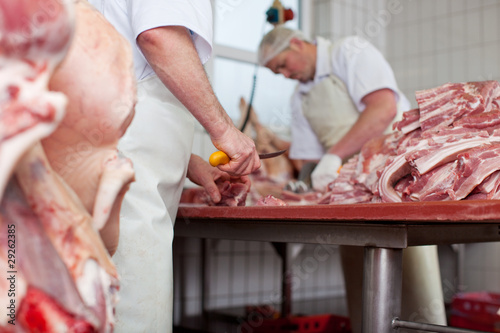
275, 41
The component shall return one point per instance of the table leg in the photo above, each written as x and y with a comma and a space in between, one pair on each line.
382, 285
205, 282
286, 278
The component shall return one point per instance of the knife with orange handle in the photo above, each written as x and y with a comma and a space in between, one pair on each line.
220, 157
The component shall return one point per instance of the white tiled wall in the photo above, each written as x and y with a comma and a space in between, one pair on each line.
335, 19
433, 42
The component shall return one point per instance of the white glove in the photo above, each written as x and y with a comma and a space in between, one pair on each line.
326, 171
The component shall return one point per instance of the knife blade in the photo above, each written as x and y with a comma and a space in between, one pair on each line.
271, 155
220, 157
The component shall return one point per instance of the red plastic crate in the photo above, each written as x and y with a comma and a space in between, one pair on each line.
301, 324
476, 310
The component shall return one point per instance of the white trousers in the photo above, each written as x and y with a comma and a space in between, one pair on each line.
159, 142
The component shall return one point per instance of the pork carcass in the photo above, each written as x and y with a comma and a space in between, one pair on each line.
64, 188
97, 77
34, 37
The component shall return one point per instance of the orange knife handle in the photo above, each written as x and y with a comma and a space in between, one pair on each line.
219, 157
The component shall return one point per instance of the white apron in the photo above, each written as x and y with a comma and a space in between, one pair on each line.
159, 143
329, 110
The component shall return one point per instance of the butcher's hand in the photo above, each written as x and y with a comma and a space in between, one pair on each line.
203, 174
326, 171
243, 157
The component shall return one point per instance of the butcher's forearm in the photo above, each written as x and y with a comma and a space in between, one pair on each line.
171, 53
381, 108
360, 133
173, 57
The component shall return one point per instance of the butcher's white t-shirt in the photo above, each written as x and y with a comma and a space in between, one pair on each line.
132, 17
361, 67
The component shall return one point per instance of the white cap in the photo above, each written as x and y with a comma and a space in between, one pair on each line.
276, 41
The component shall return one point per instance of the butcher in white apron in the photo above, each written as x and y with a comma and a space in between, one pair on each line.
326, 105
159, 142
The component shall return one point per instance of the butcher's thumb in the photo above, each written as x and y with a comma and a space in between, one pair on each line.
213, 191
325, 172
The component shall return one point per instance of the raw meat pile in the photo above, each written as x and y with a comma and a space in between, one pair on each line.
61, 179
447, 149
233, 193
270, 200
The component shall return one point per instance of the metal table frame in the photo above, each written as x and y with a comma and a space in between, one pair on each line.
382, 229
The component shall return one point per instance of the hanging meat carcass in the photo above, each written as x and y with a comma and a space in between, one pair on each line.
97, 77
61, 178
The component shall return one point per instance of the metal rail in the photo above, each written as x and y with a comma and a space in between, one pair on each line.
396, 323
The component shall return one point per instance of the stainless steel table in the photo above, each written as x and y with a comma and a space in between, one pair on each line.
382, 229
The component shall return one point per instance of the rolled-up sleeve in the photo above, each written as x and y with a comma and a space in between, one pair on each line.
363, 69
195, 15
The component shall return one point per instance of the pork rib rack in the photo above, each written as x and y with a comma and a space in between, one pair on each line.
446, 149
